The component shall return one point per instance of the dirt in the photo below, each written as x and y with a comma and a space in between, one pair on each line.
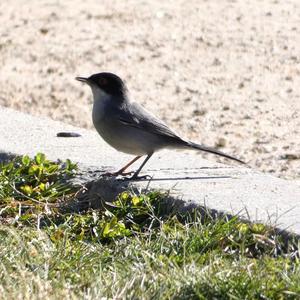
222, 73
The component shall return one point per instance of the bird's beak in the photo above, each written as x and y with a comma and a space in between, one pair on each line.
83, 79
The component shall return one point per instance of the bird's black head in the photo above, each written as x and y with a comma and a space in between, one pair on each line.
108, 82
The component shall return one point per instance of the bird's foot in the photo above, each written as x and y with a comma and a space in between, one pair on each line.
136, 177
118, 173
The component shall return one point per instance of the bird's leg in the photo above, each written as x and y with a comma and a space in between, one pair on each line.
121, 171
135, 175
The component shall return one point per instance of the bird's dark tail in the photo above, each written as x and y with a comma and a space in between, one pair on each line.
213, 151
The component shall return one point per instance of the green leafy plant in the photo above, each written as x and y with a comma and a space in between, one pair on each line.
127, 215
33, 182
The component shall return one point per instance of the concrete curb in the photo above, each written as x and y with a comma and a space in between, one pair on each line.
232, 190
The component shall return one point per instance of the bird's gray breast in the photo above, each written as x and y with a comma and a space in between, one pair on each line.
106, 119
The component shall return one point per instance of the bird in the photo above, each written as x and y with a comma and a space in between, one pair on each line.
128, 127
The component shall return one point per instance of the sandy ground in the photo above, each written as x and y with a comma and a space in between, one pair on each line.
223, 73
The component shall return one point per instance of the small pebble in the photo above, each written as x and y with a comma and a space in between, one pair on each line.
68, 134
221, 143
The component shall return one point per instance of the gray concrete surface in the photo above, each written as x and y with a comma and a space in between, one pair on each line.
229, 189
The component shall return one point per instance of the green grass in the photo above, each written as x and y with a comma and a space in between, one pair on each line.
130, 249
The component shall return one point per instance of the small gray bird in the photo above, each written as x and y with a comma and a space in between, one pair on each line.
128, 127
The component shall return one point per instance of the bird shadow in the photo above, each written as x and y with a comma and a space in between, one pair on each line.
151, 178
5, 157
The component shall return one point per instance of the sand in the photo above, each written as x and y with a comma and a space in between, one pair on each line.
222, 73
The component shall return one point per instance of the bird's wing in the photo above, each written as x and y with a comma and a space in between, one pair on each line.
136, 116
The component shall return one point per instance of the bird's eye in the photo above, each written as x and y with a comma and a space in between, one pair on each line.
103, 81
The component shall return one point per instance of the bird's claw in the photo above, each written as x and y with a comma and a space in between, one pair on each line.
115, 174
136, 178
